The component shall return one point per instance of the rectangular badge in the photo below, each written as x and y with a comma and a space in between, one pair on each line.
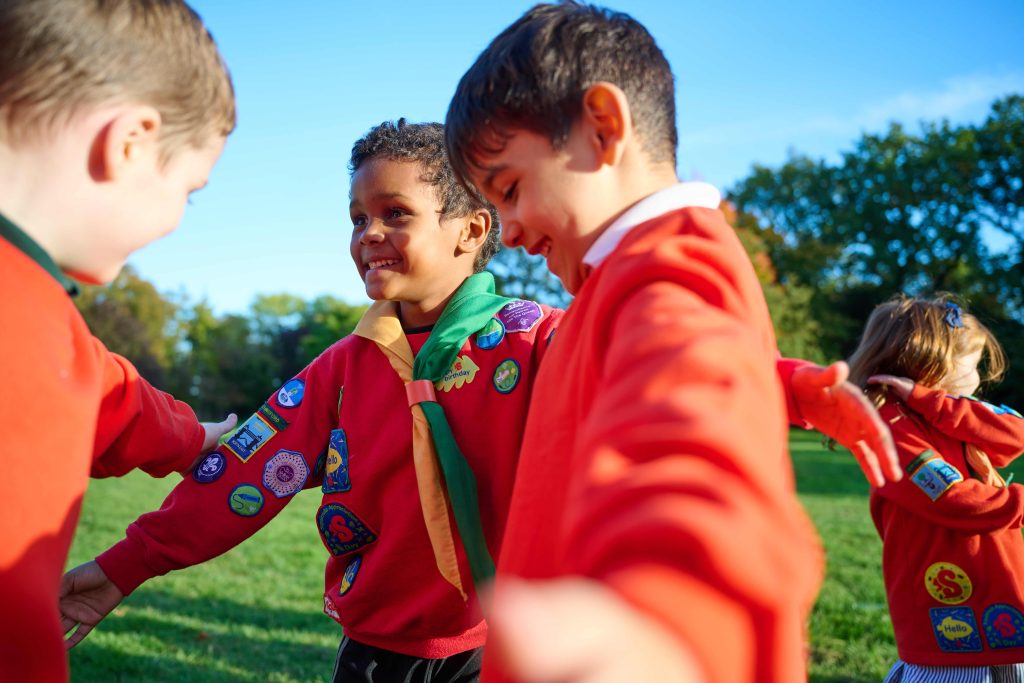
935, 477
250, 437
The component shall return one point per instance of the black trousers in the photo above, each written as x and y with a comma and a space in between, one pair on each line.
359, 663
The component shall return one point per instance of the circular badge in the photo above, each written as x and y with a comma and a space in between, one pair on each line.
491, 334
210, 468
506, 376
285, 473
245, 500
947, 583
350, 575
291, 393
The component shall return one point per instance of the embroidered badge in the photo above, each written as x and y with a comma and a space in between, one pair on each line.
491, 334
245, 500
919, 460
955, 629
336, 477
935, 477
1004, 626
285, 473
271, 416
290, 395
506, 376
350, 575
520, 315
342, 532
462, 371
210, 468
329, 609
1001, 409
321, 462
250, 437
948, 583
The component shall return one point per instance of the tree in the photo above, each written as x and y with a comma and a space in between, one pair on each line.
517, 274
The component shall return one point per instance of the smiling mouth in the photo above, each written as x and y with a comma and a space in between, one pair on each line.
377, 264
542, 247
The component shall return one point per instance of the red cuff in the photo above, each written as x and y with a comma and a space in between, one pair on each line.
125, 566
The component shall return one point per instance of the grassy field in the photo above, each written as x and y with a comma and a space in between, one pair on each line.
254, 614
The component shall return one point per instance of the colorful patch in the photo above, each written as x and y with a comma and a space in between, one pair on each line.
491, 334
290, 395
918, 461
336, 477
1004, 626
321, 462
462, 371
1001, 409
245, 500
935, 477
330, 610
285, 473
210, 469
271, 416
342, 532
520, 315
955, 629
350, 575
250, 437
506, 376
948, 583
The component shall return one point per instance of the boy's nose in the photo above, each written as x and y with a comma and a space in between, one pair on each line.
372, 234
511, 234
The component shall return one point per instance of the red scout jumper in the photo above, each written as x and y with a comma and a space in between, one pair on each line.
953, 556
655, 456
344, 424
70, 410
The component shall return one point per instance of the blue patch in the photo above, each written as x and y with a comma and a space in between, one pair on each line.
349, 577
935, 477
1004, 626
506, 375
955, 629
336, 478
491, 334
290, 395
245, 500
210, 469
1002, 410
250, 437
342, 532
285, 473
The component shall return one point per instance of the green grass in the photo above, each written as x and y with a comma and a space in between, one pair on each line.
254, 614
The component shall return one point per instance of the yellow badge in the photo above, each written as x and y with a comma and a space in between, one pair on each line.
947, 583
954, 629
462, 371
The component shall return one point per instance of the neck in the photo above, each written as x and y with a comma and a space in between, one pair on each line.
425, 312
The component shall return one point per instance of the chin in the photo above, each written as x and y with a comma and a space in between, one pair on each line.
94, 276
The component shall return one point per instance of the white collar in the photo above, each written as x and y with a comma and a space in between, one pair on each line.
678, 196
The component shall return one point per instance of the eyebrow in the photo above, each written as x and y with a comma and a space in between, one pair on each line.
381, 195
493, 171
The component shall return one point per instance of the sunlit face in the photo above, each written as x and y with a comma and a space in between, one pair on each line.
403, 249
963, 379
547, 200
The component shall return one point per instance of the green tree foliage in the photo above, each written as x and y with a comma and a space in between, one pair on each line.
517, 274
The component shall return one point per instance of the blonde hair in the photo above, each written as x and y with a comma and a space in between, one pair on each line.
919, 339
60, 57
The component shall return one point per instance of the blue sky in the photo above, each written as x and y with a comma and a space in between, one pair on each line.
754, 81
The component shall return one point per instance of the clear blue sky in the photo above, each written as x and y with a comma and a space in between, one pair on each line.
754, 80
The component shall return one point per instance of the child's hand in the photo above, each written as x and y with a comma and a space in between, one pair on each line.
86, 597
901, 386
575, 630
839, 409
215, 430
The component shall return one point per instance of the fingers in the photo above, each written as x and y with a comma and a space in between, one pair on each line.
76, 637
868, 461
229, 422
889, 380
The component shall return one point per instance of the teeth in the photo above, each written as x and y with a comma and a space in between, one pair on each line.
381, 263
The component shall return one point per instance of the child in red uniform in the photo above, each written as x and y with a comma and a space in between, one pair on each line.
402, 569
952, 554
110, 115
654, 513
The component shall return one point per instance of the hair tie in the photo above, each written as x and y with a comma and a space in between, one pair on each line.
953, 316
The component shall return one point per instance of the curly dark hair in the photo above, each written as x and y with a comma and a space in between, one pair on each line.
424, 144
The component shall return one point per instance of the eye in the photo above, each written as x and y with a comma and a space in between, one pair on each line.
510, 192
359, 221
395, 213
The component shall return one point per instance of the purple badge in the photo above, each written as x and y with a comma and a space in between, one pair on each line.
520, 315
285, 473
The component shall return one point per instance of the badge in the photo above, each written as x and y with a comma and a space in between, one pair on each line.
947, 583
350, 574
290, 395
285, 473
1001, 409
341, 531
250, 437
245, 500
321, 462
336, 477
955, 629
329, 609
462, 371
506, 376
1004, 626
935, 477
520, 315
210, 468
271, 416
491, 334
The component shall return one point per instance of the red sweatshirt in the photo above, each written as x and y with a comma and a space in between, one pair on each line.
347, 412
952, 554
69, 409
655, 455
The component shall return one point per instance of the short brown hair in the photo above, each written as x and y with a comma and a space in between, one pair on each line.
58, 57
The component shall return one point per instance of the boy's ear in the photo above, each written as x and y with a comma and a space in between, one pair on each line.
474, 231
607, 120
130, 135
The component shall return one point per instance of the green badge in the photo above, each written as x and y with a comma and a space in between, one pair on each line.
506, 376
245, 500
491, 334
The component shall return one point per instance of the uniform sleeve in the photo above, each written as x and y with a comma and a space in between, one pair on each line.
239, 487
998, 430
937, 491
786, 367
681, 498
140, 426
